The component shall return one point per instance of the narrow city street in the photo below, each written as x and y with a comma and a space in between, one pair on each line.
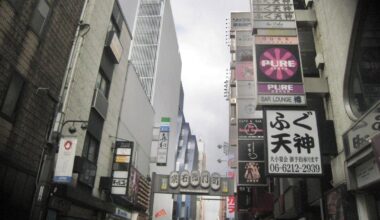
189, 110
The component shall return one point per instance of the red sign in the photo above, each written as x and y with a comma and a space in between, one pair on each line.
230, 205
67, 145
160, 213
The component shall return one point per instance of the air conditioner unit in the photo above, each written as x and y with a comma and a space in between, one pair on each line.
100, 103
233, 100
320, 61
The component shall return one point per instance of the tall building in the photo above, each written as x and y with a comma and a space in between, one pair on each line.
338, 50
36, 37
146, 42
155, 56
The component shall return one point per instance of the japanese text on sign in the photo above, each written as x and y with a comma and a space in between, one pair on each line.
293, 142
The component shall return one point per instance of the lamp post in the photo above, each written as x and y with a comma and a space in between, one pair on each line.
40, 200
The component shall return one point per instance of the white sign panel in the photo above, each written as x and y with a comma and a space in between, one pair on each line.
274, 16
272, 8
174, 180
215, 181
281, 99
274, 24
195, 178
184, 179
163, 143
273, 2
205, 179
367, 173
292, 143
65, 161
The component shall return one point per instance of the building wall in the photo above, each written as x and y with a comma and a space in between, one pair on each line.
136, 121
41, 61
333, 35
166, 88
129, 8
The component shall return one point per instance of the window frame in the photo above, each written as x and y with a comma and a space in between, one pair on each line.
38, 30
89, 139
19, 81
357, 29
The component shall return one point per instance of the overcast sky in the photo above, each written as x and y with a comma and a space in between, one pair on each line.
201, 31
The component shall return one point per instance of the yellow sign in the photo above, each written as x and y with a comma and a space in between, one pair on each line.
122, 159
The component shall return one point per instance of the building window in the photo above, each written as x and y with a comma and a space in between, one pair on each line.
362, 86
13, 93
102, 83
117, 19
40, 16
308, 53
91, 148
299, 4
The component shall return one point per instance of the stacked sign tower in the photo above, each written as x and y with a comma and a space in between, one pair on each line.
275, 133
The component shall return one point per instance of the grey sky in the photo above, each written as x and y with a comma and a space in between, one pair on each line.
201, 29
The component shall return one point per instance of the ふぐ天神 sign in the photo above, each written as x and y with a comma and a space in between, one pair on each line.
292, 143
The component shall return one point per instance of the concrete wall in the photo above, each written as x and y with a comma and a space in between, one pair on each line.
166, 95
129, 9
333, 35
167, 86
136, 121
80, 98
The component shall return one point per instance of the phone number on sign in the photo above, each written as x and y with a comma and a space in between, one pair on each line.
294, 168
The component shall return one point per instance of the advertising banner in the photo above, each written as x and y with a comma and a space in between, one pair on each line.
230, 207
278, 64
284, 40
244, 71
273, 7
121, 167
249, 129
281, 99
240, 21
292, 143
65, 162
163, 141
251, 150
279, 72
274, 16
272, 2
252, 173
244, 38
360, 133
244, 53
284, 89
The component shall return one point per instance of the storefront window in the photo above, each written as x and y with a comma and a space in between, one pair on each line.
363, 87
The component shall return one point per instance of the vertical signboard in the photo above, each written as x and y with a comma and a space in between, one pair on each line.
277, 14
163, 141
279, 71
251, 160
64, 167
292, 143
230, 213
121, 167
